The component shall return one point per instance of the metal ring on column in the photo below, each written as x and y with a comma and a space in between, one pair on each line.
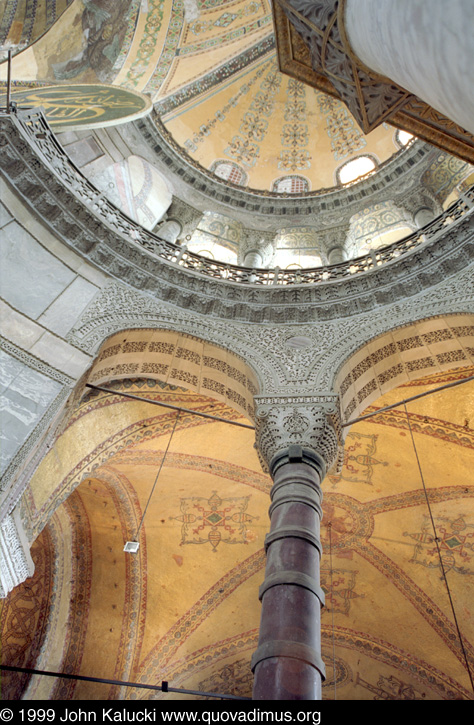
295, 578
296, 481
289, 498
297, 454
314, 491
295, 650
296, 532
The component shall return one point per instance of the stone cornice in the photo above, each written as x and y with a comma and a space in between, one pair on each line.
77, 214
270, 210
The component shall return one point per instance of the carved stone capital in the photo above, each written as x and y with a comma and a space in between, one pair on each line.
257, 241
421, 198
187, 215
16, 564
334, 238
284, 425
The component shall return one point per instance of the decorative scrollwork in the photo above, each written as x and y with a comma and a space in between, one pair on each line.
16, 564
369, 97
314, 426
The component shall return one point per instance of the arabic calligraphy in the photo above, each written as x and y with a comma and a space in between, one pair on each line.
84, 104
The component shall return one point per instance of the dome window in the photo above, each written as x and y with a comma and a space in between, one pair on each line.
403, 138
229, 171
291, 185
355, 168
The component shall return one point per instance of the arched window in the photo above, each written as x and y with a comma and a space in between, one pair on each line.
382, 239
229, 171
402, 138
291, 185
353, 169
212, 250
216, 237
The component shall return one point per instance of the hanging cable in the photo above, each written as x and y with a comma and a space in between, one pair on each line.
158, 474
332, 612
439, 551
168, 405
164, 687
408, 400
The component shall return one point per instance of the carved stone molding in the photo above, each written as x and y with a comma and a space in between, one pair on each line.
450, 297
289, 359
16, 563
270, 209
313, 47
283, 423
96, 230
369, 97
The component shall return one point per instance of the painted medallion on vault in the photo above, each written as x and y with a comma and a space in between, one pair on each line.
215, 520
454, 544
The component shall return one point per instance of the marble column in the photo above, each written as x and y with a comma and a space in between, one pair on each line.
187, 216
256, 249
169, 230
336, 255
423, 216
253, 259
333, 241
297, 444
425, 46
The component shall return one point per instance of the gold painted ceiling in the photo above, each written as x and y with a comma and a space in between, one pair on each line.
185, 608
214, 82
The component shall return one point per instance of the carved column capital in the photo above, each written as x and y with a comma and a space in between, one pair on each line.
186, 215
285, 427
420, 198
259, 242
333, 242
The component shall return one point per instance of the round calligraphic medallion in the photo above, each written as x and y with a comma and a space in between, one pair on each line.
85, 106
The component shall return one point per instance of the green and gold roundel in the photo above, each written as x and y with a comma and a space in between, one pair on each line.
84, 106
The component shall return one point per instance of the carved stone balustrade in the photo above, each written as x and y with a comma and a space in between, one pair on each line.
68, 203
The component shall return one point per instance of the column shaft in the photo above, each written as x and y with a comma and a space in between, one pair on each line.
253, 259
425, 46
287, 663
336, 255
423, 216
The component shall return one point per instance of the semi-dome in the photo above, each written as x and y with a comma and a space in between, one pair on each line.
215, 84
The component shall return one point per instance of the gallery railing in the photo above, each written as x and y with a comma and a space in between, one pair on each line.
36, 131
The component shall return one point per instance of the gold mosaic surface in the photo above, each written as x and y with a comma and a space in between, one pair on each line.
185, 608
215, 82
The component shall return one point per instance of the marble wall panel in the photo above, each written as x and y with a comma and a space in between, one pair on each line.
31, 278
5, 215
26, 396
65, 310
